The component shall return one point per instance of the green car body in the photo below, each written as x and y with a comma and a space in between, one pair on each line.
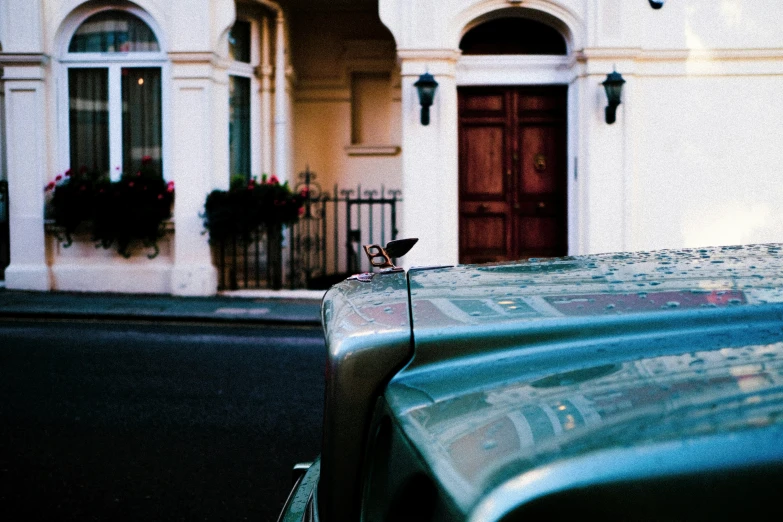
641, 385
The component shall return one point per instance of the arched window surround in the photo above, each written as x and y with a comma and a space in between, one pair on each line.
114, 62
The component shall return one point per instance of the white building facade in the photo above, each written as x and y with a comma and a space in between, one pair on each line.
517, 159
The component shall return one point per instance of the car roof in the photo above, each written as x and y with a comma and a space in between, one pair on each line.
533, 377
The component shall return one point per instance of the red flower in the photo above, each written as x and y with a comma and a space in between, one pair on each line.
304, 192
170, 186
273, 180
130, 183
146, 159
50, 186
301, 211
58, 178
160, 196
67, 173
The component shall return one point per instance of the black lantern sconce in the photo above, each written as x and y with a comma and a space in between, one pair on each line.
614, 88
656, 4
426, 86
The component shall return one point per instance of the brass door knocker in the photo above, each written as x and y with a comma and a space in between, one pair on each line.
539, 162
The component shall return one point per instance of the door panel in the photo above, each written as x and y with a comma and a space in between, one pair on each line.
484, 236
512, 172
484, 103
483, 166
540, 159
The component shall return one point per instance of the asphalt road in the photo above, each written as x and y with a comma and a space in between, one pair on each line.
138, 421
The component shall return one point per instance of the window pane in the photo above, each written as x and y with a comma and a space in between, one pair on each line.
239, 41
88, 102
513, 36
239, 126
141, 121
113, 32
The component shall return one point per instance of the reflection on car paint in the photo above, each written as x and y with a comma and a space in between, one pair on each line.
605, 284
651, 399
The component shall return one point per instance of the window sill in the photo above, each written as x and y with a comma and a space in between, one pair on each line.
372, 150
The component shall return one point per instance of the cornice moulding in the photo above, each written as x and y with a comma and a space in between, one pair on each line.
8, 59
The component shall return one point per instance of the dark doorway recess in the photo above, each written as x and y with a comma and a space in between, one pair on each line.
512, 173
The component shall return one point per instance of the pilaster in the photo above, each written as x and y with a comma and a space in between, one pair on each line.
26, 161
199, 148
430, 160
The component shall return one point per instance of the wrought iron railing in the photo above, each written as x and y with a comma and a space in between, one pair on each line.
5, 240
322, 248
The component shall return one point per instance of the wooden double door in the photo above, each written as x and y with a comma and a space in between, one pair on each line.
512, 173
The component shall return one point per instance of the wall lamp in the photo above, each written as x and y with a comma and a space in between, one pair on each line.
656, 4
614, 88
426, 86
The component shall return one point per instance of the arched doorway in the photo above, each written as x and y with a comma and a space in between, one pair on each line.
512, 151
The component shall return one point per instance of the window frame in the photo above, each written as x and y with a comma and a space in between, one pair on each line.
114, 62
248, 70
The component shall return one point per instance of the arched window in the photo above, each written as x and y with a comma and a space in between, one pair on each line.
513, 36
114, 94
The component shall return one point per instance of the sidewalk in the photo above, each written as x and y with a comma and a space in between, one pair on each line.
260, 307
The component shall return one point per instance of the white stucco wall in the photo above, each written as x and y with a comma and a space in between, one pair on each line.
693, 158
191, 34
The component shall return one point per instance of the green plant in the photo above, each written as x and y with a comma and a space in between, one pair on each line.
248, 205
133, 208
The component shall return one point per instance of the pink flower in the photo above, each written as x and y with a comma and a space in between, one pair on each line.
304, 192
146, 159
58, 178
273, 180
301, 211
170, 186
160, 196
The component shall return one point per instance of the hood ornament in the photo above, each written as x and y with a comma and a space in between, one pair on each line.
381, 257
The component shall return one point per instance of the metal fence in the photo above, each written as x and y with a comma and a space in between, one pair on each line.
322, 248
5, 240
